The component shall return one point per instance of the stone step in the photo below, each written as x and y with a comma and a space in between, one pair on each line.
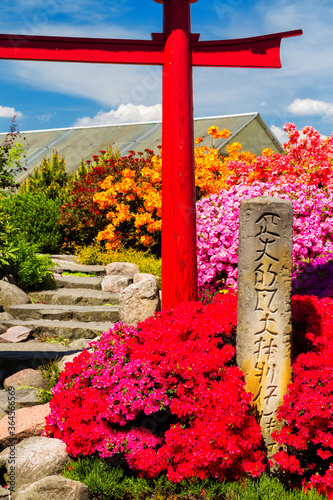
78, 282
65, 258
75, 296
30, 354
27, 312
77, 268
71, 330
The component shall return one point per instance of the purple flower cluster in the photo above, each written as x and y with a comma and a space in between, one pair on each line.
217, 233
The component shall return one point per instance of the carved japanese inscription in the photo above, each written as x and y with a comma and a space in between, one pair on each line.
264, 306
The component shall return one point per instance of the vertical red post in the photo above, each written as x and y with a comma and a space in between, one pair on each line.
179, 254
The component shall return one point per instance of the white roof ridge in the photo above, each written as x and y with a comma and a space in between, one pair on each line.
127, 124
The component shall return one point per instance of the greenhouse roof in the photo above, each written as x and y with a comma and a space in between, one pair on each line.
77, 143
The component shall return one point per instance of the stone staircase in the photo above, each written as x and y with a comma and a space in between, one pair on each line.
77, 308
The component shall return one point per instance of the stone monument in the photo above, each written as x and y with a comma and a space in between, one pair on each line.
264, 306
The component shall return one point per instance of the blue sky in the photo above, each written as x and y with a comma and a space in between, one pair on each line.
47, 95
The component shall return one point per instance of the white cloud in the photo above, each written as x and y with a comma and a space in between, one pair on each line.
125, 113
311, 107
7, 112
45, 117
279, 133
108, 84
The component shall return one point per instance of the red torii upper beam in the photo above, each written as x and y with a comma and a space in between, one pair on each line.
177, 50
254, 52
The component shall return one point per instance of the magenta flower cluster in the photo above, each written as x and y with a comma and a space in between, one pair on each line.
217, 231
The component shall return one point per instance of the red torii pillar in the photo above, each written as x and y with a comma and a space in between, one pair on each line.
178, 50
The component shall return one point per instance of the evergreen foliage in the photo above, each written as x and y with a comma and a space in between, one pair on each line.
35, 217
50, 178
11, 153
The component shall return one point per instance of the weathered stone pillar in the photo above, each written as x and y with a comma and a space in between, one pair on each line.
264, 306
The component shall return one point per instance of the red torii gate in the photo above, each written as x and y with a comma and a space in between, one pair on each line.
177, 50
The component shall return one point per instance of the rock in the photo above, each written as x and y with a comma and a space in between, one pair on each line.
67, 359
12, 295
22, 399
5, 316
2, 415
55, 487
80, 344
139, 301
3, 328
9, 278
35, 459
141, 276
30, 377
16, 334
122, 268
4, 493
28, 422
114, 283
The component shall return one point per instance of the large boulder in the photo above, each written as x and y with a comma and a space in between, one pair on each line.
55, 487
35, 458
139, 301
27, 377
142, 276
11, 295
122, 268
28, 422
115, 283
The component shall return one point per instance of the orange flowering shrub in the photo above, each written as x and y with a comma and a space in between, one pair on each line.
133, 200
134, 205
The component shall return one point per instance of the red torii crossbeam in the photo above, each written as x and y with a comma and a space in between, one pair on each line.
177, 50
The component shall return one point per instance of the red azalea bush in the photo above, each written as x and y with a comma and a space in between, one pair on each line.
308, 159
166, 396
307, 411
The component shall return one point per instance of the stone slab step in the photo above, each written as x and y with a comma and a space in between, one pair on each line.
71, 330
78, 296
65, 257
30, 354
65, 312
78, 282
77, 268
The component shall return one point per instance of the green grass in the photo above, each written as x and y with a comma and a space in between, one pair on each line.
95, 254
111, 483
81, 275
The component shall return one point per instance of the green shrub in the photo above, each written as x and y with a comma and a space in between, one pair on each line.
31, 271
35, 217
7, 249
